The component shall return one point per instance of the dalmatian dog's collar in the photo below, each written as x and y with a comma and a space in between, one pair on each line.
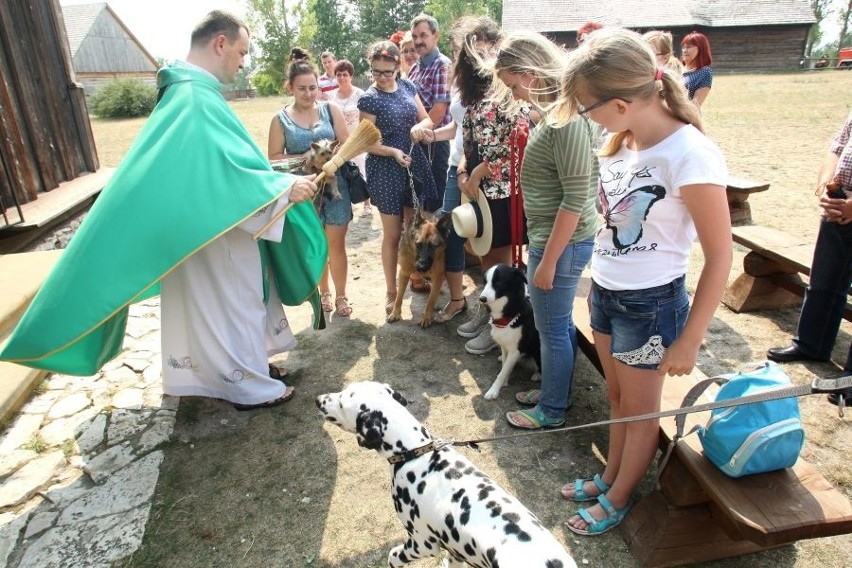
417, 452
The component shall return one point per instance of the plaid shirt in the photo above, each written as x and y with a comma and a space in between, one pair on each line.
430, 74
842, 147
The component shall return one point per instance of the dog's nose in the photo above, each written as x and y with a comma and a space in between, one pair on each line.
483, 299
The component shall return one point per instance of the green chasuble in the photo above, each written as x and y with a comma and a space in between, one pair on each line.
191, 175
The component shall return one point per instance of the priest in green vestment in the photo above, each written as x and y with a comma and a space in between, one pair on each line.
177, 218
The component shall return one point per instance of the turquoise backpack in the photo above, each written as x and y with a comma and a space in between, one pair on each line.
752, 438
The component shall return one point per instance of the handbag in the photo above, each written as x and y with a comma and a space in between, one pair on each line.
752, 438
351, 174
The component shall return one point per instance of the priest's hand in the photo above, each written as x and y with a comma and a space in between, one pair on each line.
303, 188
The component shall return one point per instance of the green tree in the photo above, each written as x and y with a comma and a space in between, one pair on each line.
378, 19
448, 11
330, 25
275, 27
821, 9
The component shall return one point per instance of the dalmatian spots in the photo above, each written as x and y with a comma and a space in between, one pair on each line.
444, 502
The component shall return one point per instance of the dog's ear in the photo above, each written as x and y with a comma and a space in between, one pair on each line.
314, 146
445, 224
522, 276
368, 428
334, 145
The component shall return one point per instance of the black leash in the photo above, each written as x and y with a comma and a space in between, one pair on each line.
818, 386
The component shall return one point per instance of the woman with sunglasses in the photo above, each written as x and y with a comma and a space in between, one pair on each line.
398, 163
662, 184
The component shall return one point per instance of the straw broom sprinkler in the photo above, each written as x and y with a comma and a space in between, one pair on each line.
365, 135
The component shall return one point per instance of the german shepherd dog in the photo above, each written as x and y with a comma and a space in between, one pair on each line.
321, 152
421, 249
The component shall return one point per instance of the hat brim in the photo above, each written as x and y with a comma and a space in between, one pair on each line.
481, 245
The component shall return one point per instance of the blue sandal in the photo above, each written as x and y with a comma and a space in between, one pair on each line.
535, 418
599, 526
581, 496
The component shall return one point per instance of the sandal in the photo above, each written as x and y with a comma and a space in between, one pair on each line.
443, 316
534, 419
288, 394
277, 373
530, 397
599, 526
420, 285
580, 496
344, 310
325, 302
389, 302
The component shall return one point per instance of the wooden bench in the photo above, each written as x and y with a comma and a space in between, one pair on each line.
699, 514
738, 191
771, 270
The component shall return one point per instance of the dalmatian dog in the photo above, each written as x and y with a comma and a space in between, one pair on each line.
443, 500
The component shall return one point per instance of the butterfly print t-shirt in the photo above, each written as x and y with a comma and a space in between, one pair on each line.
647, 231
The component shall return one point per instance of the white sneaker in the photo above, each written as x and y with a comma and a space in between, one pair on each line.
482, 343
472, 327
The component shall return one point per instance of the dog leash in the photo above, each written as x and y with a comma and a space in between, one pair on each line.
818, 386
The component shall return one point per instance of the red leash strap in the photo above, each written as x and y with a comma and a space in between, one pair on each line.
517, 145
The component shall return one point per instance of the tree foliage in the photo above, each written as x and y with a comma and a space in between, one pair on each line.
275, 28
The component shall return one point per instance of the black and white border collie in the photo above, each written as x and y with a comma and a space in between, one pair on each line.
512, 323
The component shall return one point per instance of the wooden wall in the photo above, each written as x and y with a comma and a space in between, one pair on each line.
45, 134
748, 48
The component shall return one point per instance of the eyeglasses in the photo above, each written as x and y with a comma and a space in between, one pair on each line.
379, 73
599, 104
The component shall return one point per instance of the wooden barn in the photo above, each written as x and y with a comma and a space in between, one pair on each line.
745, 35
103, 48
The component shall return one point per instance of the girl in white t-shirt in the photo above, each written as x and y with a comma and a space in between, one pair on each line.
662, 184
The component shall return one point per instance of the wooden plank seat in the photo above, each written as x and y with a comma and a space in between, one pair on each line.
738, 191
771, 270
699, 514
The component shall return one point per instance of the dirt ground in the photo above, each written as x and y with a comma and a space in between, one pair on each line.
279, 487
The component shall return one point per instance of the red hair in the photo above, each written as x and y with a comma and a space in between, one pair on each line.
702, 44
397, 37
587, 28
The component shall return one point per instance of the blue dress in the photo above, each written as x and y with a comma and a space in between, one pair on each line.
389, 184
297, 140
697, 79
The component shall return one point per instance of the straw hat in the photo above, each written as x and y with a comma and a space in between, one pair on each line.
472, 221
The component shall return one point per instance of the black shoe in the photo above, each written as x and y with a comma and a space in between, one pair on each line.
789, 354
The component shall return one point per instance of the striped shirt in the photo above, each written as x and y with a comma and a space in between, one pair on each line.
560, 172
842, 147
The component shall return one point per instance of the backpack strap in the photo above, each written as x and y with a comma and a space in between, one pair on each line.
680, 420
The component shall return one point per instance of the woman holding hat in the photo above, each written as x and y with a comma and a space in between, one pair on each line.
559, 178
483, 174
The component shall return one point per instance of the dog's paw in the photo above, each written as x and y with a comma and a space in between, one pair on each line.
393, 316
536, 377
500, 358
426, 321
492, 394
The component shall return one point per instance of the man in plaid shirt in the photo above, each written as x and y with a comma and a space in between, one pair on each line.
831, 267
430, 74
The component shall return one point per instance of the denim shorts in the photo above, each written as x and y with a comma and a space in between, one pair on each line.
336, 211
641, 323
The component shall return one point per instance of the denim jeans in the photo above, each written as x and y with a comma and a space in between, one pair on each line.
825, 297
555, 324
454, 258
440, 155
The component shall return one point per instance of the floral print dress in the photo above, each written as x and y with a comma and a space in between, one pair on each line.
486, 128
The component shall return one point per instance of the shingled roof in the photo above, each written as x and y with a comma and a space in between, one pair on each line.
567, 16
79, 19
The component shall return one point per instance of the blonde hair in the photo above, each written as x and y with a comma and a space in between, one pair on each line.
663, 43
619, 64
531, 53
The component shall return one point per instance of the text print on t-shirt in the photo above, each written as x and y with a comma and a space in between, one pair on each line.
631, 206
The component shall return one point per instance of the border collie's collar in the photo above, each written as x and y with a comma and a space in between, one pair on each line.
504, 321
417, 452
